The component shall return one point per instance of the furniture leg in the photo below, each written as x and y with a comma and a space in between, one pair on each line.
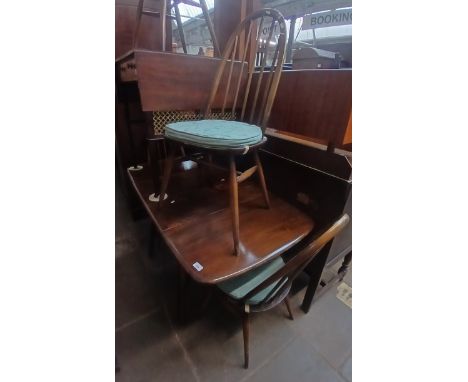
345, 266
206, 14
234, 203
167, 173
261, 175
245, 327
317, 265
286, 302
163, 17
153, 162
179, 27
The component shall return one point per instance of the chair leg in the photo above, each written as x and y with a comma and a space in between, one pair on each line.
167, 173
286, 301
245, 327
234, 203
261, 175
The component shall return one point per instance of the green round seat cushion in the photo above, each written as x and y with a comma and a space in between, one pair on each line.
214, 133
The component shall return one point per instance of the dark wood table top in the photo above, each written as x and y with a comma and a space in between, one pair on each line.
196, 224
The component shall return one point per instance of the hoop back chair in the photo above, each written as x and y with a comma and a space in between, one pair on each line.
254, 98
162, 14
267, 286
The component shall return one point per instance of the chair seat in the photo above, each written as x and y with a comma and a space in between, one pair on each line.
239, 286
214, 133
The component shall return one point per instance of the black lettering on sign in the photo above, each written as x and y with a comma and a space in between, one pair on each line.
266, 30
331, 18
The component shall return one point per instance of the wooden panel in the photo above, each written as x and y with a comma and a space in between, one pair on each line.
317, 184
171, 81
228, 14
197, 226
348, 138
313, 103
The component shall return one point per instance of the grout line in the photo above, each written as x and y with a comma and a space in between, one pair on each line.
184, 350
311, 342
337, 369
134, 321
342, 364
347, 357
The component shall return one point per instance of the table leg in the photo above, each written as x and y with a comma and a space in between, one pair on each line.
316, 267
153, 156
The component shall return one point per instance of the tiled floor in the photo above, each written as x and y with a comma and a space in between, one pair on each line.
152, 345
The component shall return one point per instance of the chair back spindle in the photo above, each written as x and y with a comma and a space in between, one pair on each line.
256, 103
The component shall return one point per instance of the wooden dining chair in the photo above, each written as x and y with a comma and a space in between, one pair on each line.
267, 286
251, 105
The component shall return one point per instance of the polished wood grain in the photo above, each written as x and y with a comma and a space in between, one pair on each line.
348, 137
313, 103
197, 226
172, 81
227, 15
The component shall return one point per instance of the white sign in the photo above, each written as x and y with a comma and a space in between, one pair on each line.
327, 19
197, 266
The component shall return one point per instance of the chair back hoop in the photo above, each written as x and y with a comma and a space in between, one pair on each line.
296, 265
258, 110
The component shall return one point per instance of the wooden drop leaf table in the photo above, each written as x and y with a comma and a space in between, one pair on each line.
195, 222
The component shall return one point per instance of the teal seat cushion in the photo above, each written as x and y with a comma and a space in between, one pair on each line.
239, 286
214, 133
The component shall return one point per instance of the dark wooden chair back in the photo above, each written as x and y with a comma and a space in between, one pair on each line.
240, 47
286, 275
